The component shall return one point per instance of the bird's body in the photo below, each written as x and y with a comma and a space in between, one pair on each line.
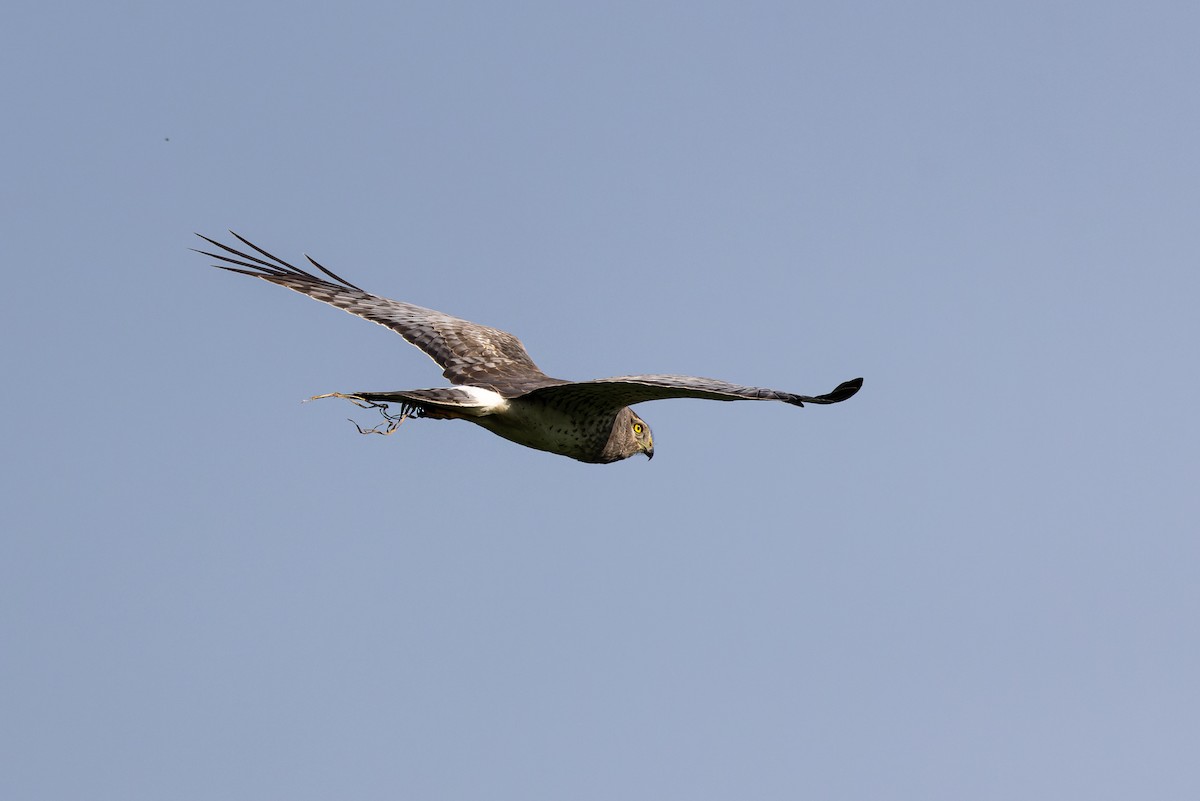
496, 385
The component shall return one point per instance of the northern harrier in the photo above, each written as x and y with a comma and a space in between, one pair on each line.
497, 385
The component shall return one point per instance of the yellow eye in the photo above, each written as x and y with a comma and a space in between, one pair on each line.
637, 428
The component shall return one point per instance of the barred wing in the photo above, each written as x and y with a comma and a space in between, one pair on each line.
468, 353
615, 393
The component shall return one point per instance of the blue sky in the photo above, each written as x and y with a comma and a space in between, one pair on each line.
976, 579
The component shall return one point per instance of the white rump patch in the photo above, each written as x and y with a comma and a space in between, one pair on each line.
486, 399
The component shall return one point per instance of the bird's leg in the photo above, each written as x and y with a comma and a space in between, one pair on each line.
393, 421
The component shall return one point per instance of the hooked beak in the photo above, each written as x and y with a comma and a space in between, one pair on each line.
649, 451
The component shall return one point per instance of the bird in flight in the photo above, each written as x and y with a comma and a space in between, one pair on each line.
495, 383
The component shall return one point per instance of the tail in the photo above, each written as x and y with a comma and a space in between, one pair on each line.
440, 403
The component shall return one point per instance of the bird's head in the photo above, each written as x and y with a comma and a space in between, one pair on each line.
630, 435
643, 440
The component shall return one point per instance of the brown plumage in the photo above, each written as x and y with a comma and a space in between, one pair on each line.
496, 383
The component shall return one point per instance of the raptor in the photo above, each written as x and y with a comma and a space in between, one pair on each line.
495, 384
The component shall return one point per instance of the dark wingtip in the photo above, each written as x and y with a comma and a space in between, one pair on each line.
843, 391
330, 273
269, 266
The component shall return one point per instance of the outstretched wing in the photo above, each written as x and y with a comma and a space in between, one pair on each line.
614, 393
468, 353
